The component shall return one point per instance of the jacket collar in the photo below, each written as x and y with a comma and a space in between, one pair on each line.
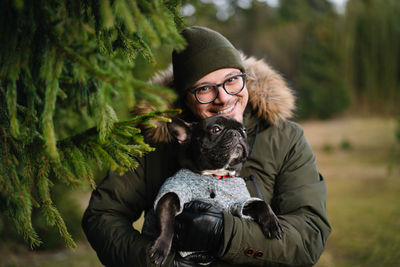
270, 99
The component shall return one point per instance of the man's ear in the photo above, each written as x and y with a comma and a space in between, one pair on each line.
180, 130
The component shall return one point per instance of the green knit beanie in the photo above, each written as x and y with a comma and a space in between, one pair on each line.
206, 51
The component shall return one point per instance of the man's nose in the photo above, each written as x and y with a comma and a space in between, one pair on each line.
222, 97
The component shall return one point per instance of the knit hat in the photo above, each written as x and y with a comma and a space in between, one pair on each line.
206, 51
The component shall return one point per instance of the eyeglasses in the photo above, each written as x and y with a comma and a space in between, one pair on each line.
208, 93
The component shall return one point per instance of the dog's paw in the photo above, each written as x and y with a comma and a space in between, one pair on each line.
159, 252
271, 227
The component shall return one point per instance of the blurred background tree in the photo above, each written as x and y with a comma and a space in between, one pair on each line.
322, 92
64, 67
373, 53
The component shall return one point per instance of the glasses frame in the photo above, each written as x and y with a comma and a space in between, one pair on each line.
216, 86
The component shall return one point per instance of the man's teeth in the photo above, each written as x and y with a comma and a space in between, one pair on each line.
226, 110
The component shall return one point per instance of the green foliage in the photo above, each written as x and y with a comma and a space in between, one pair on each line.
373, 52
346, 145
62, 59
394, 159
298, 10
69, 210
327, 148
398, 130
322, 90
323, 93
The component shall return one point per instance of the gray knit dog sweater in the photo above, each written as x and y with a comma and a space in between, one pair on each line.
228, 194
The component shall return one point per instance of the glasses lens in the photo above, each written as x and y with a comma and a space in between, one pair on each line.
205, 93
234, 84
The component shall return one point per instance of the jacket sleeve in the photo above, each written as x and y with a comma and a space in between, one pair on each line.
298, 196
107, 222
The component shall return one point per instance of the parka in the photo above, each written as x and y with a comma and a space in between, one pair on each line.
281, 162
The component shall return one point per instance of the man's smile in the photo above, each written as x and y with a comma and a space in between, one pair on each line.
227, 110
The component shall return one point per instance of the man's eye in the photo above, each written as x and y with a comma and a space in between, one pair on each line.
204, 89
215, 130
232, 79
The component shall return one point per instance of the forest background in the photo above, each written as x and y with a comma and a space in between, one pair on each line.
344, 66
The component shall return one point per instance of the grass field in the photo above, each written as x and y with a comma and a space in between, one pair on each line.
363, 181
363, 190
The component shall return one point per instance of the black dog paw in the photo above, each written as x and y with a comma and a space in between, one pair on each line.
263, 214
271, 227
159, 252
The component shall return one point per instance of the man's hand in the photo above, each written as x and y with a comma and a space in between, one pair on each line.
200, 228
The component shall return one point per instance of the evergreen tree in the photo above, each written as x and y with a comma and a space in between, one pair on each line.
70, 59
322, 90
320, 82
373, 53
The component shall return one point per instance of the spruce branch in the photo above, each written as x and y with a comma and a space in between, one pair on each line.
11, 96
52, 89
148, 116
62, 58
106, 14
110, 77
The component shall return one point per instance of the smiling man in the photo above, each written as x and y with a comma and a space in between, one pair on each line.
211, 79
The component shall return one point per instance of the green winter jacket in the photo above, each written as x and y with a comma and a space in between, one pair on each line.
281, 162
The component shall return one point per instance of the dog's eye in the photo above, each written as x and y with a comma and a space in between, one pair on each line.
215, 130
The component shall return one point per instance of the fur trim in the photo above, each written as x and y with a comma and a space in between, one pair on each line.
269, 96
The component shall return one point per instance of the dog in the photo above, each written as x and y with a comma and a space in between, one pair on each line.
210, 151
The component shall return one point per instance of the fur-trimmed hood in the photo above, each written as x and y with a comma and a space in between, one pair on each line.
269, 96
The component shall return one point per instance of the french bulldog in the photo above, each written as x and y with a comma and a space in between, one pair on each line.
212, 150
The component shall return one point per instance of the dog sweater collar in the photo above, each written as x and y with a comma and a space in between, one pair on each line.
220, 177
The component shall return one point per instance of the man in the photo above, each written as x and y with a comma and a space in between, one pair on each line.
281, 164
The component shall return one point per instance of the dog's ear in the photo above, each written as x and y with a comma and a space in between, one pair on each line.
180, 130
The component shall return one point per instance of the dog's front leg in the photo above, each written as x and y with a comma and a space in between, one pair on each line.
263, 214
166, 210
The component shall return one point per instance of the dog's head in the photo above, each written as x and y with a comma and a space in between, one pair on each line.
214, 145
